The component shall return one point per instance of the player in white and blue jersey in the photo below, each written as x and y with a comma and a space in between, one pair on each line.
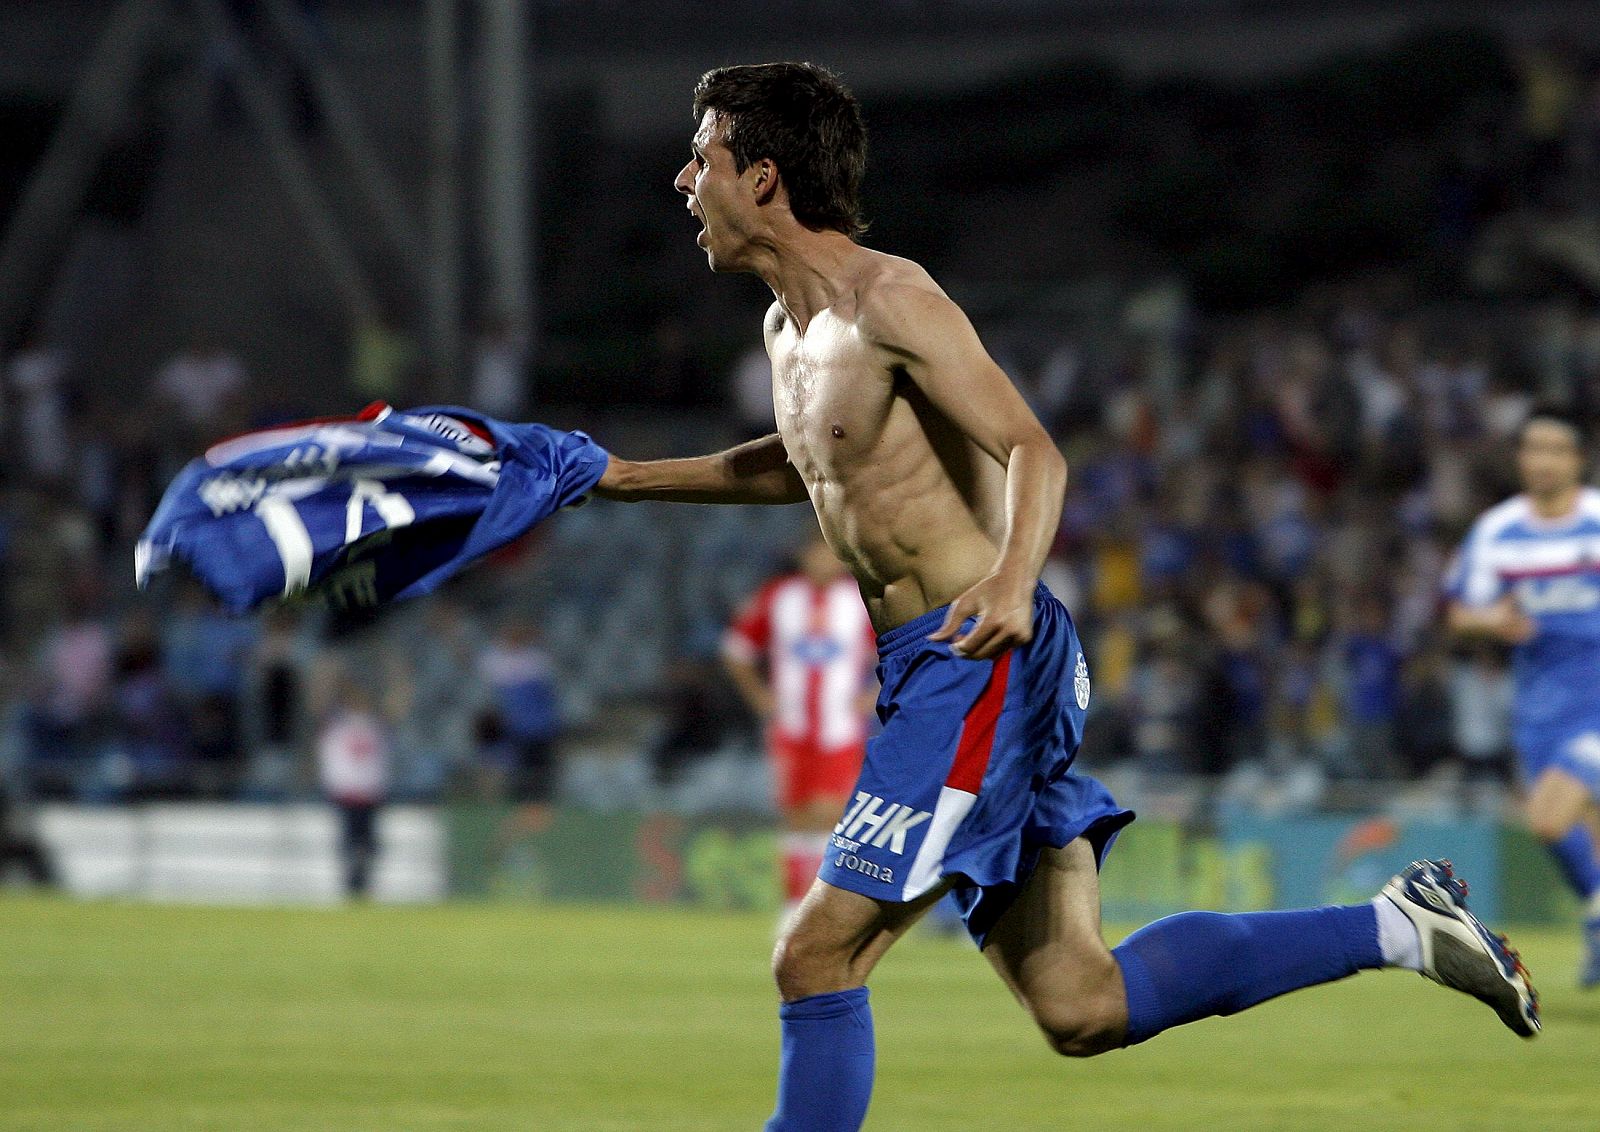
1528, 576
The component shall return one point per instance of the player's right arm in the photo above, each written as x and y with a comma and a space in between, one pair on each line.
1477, 601
1502, 621
756, 472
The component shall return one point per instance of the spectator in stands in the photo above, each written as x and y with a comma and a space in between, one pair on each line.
71, 695
1481, 691
694, 713
149, 756
205, 648
275, 705
1168, 686
36, 382
202, 384
1371, 669
499, 369
524, 719
353, 757
448, 695
20, 850
750, 391
1424, 738
1233, 705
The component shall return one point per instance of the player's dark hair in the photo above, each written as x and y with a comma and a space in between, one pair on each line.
804, 120
1559, 414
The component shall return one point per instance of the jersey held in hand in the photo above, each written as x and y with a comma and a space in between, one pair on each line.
362, 510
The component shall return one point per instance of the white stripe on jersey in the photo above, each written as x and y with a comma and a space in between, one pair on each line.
791, 624
820, 650
1554, 565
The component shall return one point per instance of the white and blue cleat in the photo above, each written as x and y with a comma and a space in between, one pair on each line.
1457, 950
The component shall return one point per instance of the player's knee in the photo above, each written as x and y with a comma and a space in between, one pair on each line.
804, 965
1088, 1018
1080, 1030
1548, 827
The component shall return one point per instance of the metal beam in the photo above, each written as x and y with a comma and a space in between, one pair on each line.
444, 199
268, 115
507, 165
90, 123
381, 192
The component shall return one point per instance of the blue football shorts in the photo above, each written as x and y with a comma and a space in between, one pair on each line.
971, 776
1572, 746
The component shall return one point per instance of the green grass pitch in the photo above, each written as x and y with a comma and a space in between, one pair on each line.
545, 1019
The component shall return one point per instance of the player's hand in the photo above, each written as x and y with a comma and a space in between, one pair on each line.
1510, 624
1004, 612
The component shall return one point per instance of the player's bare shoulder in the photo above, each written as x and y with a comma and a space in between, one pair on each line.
898, 306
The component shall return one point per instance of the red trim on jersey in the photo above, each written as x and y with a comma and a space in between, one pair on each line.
977, 731
1547, 572
287, 426
367, 415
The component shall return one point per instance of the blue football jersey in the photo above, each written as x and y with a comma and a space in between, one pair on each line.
363, 510
1552, 569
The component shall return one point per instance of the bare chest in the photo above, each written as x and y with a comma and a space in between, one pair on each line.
831, 397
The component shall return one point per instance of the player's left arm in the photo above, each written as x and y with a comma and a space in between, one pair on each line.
934, 343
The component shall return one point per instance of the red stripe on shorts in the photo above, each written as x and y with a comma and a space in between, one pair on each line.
977, 731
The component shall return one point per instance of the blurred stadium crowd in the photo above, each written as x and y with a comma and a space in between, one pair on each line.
1264, 492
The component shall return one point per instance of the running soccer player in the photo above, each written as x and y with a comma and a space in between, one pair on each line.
801, 653
1528, 576
940, 491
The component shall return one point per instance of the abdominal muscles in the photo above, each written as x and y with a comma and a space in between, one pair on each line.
916, 512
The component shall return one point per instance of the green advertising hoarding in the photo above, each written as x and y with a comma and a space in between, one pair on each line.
1238, 863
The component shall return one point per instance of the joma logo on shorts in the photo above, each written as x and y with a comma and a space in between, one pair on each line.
864, 867
869, 823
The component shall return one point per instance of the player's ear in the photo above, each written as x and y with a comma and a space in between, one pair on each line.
765, 184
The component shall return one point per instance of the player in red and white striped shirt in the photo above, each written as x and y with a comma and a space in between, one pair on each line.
802, 653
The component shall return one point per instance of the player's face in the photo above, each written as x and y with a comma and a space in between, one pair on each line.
1549, 458
716, 193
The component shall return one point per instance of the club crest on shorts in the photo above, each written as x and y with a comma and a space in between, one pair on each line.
1080, 683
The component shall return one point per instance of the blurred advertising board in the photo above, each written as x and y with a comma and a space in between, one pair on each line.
1238, 863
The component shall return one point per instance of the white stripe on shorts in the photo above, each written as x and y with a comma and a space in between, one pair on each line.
926, 870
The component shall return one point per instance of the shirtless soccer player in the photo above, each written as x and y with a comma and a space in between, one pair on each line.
940, 491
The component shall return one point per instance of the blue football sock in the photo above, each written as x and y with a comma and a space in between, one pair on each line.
1198, 964
1574, 855
825, 1069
